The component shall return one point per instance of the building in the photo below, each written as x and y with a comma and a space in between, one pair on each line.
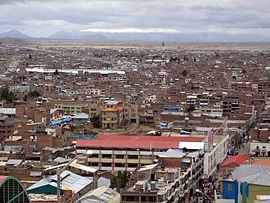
215, 155
72, 107
73, 186
11, 190
179, 158
113, 114
156, 183
7, 128
101, 195
248, 181
120, 152
232, 162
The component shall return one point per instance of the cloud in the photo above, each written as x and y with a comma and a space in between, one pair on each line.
132, 30
44, 17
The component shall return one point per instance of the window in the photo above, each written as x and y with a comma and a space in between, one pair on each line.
132, 165
106, 164
133, 156
119, 156
93, 164
106, 156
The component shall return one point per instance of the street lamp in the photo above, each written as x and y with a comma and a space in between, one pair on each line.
60, 170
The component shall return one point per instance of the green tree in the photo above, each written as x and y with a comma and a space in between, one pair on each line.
184, 73
56, 72
7, 95
34, 93
191, 108
96, 121
120, 180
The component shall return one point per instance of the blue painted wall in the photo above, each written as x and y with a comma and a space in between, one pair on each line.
229, 190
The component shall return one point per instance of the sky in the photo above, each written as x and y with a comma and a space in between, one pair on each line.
41, 18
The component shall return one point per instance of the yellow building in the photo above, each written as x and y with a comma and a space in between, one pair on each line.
73, 107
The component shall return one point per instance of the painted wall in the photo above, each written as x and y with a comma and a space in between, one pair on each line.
257, 190
229, 190
215, 156
46, 189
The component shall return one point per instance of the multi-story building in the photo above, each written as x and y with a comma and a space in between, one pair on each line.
157, 183
7, 128
119, 152
184, 158
113, 114
72, 107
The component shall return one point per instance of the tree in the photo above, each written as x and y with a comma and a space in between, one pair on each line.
96, 121
191, 108
120, 180
56, 72
34, 93
7, 95
184, 73
158, 133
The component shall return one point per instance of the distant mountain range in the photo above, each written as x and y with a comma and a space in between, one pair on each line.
15, 34
143, 37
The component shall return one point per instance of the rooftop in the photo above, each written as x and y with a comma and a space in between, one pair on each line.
100, 195
239, 160
69, 181
252, 174
136, 142
8, 111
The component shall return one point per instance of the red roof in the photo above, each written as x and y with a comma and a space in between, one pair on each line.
136, 142
2, 178
239, 160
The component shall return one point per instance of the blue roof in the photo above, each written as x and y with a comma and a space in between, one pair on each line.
65, 120
172, 108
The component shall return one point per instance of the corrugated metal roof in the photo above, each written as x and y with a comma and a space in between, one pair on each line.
61, 160
239, 159
14, 162
252, 174
81, 116
8, 111
148, 167
100, 195
136, 142
74, 165
173, 153
69, 181
9, 148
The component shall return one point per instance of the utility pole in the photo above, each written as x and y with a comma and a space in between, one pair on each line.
60, 170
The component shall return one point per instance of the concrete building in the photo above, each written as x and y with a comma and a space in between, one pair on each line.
119, 152
155, 183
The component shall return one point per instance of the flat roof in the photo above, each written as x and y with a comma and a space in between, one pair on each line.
191, 145
8, 111
75, 71
136, 142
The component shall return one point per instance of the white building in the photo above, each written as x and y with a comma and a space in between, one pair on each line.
215, 156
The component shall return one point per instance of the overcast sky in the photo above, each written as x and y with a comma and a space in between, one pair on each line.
45, 17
